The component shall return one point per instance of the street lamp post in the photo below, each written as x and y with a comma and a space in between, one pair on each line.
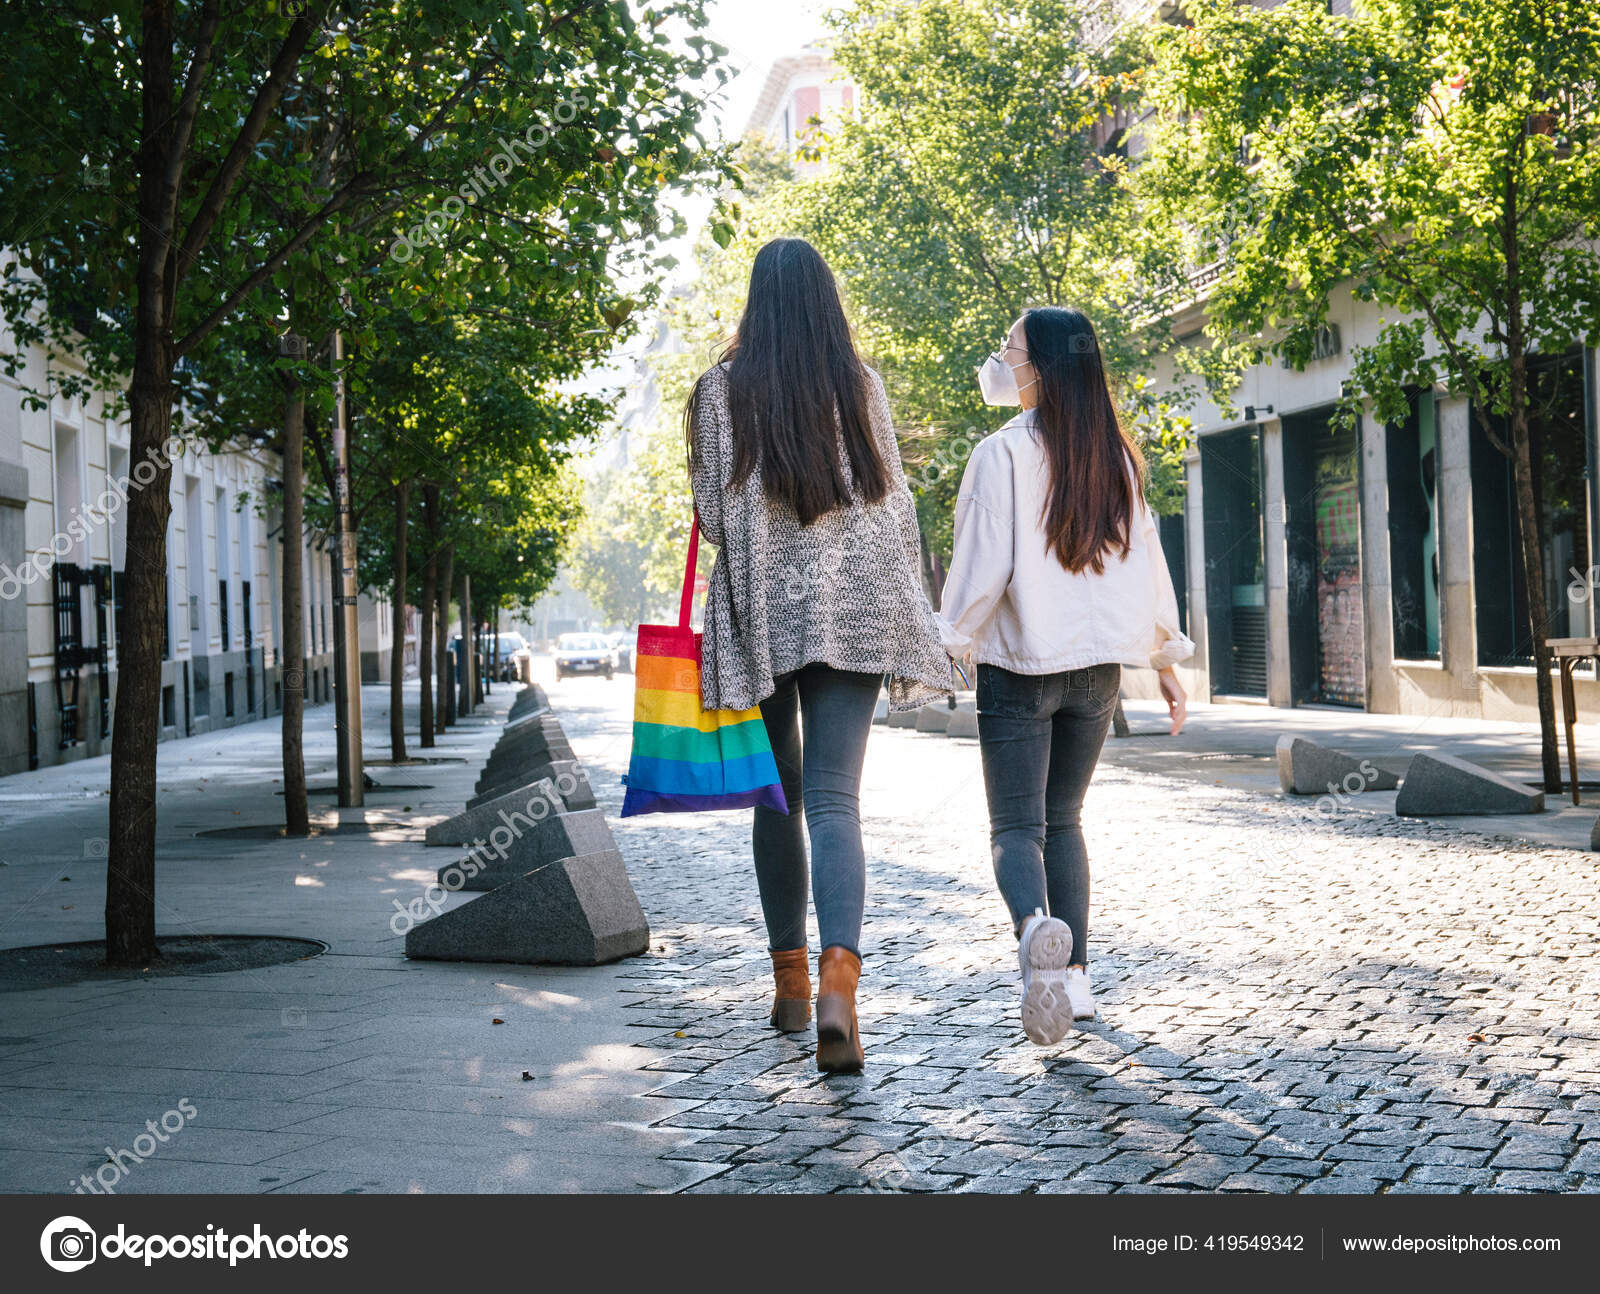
347, 645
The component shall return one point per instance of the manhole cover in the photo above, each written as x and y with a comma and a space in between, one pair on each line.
49, 965
275, 831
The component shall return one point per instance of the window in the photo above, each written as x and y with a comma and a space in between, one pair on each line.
1413, 472
1174, 546
224, 569
1561, 465
1236, 605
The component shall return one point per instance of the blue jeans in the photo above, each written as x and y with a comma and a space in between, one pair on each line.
822, 778
1041, 736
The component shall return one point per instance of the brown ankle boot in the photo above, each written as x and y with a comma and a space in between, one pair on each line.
838, 1038
791, 1004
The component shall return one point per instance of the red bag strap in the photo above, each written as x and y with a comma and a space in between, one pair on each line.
686, 603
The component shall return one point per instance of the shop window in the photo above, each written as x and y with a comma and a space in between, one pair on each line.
1236, 605
1561, 464
1413, 472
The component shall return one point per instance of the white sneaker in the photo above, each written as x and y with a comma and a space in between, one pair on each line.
1078, 994
1044, 951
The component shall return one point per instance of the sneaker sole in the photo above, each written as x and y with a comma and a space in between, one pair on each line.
1046, 1009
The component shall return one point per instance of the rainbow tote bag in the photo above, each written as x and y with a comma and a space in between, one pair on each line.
687, 759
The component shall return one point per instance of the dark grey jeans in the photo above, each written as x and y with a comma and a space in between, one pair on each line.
821, 775
1041, 736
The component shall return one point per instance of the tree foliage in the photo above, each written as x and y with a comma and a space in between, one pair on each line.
166, 166
985, 173
1439, 156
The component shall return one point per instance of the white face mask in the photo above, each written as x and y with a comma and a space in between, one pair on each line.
998, 382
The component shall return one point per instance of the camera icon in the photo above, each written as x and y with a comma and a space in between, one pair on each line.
96, 847
68, 1244
294, 1017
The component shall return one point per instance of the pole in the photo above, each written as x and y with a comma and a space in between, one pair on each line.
347, 644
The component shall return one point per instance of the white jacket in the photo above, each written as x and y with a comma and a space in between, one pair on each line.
1009, 601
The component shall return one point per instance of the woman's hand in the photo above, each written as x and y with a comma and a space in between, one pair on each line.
1177, 700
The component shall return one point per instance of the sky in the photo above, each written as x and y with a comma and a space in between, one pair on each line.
756, 33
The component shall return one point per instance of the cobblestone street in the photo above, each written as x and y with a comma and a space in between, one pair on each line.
1289, 1002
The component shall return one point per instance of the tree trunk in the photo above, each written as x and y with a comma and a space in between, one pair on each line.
397, 649
131, 857
1528, 518
468, 659
425, 615
447, 680
480, 658
292, 651
1530, 524
492, 648
131, 824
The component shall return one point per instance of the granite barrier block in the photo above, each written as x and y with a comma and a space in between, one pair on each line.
500, 768
902, 718
513, 778
530, 697
1437, 786
934, 717
544, 719
519, 844
534, 747
963, 723
1305, 768
552, 769
537, 800
575, 911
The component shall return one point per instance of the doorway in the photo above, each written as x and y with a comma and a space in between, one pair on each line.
1236, 603
1322, 496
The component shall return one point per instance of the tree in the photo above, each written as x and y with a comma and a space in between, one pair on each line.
984, 173
173, 105
1438, 155
471, 410
607, 561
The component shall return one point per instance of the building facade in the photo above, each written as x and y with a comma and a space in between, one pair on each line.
64, 473
801, 89
1378, 566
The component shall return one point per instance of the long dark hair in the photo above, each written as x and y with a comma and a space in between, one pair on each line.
1096, 471
797, 390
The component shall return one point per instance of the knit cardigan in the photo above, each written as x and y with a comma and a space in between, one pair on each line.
844, 591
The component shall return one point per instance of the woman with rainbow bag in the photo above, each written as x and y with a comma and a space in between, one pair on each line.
815, 603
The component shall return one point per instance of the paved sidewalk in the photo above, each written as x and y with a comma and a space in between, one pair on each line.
1291, 1001
353, 1071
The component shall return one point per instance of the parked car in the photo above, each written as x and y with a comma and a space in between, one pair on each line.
583, 654
622, 652
516, 659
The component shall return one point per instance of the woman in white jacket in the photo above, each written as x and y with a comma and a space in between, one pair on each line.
1056, 582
